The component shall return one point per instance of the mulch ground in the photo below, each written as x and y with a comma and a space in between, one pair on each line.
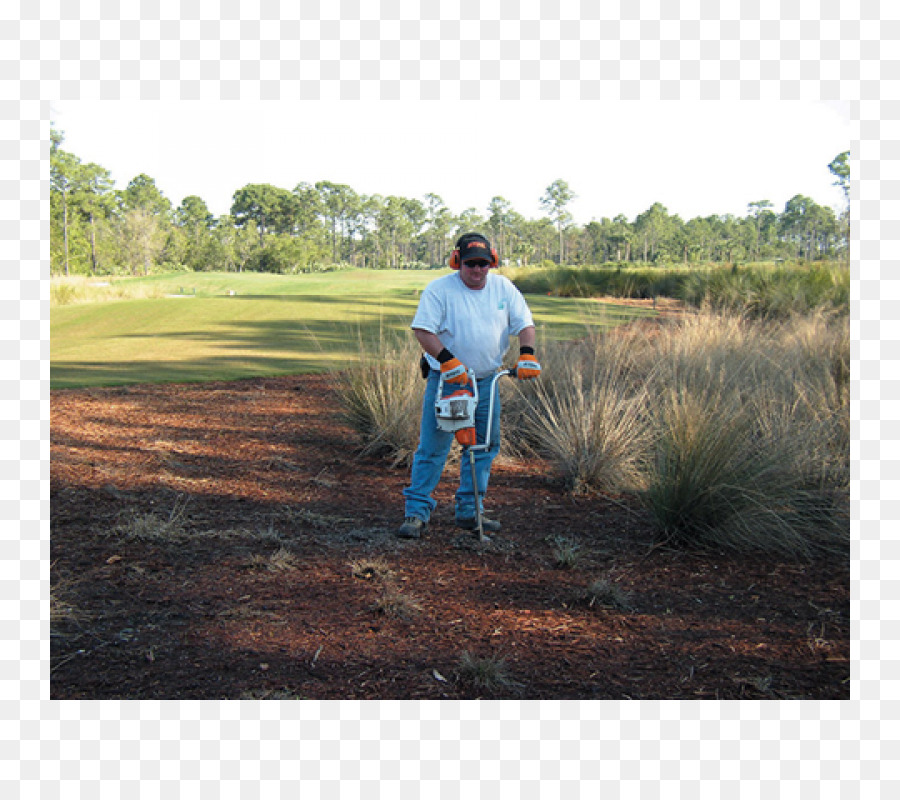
224, 540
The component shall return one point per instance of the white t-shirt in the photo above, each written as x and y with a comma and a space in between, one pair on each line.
473, 324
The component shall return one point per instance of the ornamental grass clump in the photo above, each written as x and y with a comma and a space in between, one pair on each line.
713, 480
585, 415
381, 396
747, 450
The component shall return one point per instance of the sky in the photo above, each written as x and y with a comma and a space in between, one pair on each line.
696, 158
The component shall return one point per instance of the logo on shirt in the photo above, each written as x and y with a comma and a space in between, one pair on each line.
501, 305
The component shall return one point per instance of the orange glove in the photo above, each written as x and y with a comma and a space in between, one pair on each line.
452, 368
527, 367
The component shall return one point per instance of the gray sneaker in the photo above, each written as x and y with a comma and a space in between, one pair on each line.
472, 524
412, 528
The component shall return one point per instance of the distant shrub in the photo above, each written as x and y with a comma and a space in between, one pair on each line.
315, 266
604, 281
763, 291
80, 289
286, 256
770, 293
63, 293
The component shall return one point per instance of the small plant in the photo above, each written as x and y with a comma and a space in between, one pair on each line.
604, 592
371, 569
61, 608
151, 528
394, 603
565, 551
489, 672
281, 560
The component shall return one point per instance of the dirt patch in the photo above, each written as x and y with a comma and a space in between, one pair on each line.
210, 541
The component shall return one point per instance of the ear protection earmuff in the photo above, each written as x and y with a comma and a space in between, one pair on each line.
456, 263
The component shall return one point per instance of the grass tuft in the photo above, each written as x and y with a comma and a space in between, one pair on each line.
565, 551
483, 672
372, 569
62, 609
604, 592
282, 560
153, 527
395, 603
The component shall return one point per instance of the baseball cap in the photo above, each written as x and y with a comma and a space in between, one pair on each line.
475, 249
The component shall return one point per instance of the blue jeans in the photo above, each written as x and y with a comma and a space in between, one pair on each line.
434, 446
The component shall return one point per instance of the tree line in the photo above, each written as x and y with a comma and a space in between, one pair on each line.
97, 229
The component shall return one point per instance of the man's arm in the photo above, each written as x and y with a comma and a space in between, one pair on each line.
527, 337
428, 341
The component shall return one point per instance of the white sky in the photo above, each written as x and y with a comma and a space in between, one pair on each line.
696, 158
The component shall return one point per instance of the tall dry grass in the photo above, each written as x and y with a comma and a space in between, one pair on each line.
76, 289
584, 414
734, 432
381, 396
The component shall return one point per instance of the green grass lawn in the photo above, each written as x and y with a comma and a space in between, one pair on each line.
190, 327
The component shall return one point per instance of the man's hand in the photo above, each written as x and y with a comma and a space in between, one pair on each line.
452, 369
527, 368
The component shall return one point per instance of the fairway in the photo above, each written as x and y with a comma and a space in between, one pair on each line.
187, 327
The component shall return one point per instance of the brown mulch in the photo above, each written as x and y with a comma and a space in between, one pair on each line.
224, 540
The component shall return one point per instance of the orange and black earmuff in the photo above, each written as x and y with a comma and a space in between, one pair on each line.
456, 263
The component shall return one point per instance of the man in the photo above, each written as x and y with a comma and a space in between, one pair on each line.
464, 321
